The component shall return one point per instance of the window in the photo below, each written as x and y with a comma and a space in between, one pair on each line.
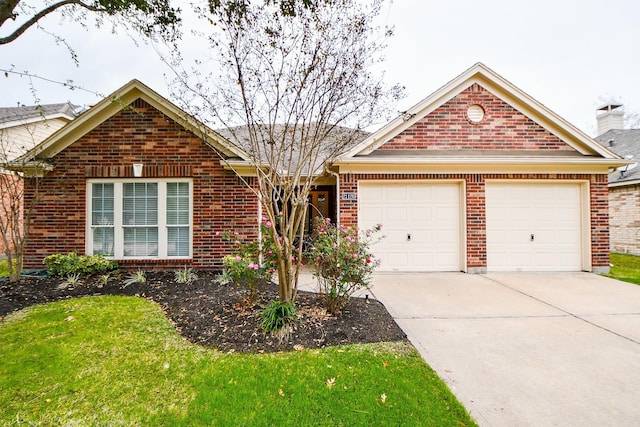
178, 218
140, 219
102, 218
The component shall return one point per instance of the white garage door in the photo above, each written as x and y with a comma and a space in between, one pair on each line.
533, 226
421, 222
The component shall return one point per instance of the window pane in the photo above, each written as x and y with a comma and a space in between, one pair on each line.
177, 189
140, 203
140, 241
178, 241
178, 203
103, 241
102, 204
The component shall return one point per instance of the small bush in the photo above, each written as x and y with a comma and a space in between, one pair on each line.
105, 278
253, 263
72, 263
277, 316
137, 277
342, 261
245, 273
185, 276
71, 281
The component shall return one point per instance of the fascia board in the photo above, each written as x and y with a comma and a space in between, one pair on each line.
499, 87
190, 123
31, 169
240, 167
415, 113
111, 105
474, 165
542, 116
248, 169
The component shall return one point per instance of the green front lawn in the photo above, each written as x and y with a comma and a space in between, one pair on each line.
118, 361
625, 267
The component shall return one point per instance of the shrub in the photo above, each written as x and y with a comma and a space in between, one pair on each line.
71, 281
72, 263
105, 278
187, 275
245, 273
342, 261
277, 316
136, 277
253, 263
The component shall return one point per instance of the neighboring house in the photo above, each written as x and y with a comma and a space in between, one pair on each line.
477, 177
624, 182
21, 129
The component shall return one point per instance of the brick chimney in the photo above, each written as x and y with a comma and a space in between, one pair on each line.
610, 116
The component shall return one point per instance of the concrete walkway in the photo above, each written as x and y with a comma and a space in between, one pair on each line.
526, 349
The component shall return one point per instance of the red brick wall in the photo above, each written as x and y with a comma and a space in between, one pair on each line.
221, 201
476, 213
502, 128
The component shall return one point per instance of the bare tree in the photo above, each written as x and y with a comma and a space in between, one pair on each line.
15, 216
293, 90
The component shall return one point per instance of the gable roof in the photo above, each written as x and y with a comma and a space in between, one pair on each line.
625, 143
499, 87
111, 105
14, 116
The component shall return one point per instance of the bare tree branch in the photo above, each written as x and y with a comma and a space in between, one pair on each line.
6, 14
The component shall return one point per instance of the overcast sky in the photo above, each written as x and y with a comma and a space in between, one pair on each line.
570, 55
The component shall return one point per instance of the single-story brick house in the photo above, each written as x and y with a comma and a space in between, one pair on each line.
624, 189
476, 177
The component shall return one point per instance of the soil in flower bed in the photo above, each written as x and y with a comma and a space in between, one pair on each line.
219, 316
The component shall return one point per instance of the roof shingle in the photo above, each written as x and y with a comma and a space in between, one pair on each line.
625, 143
13, 114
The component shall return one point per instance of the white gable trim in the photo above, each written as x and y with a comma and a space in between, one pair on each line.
502, 89
113, 104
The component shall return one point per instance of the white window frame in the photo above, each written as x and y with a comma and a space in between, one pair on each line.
118, 226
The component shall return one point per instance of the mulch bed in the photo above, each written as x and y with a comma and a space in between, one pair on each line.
218, 316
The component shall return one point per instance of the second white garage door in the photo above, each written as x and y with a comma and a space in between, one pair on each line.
421, 222
534, 226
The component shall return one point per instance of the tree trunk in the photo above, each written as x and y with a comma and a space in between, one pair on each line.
14, 266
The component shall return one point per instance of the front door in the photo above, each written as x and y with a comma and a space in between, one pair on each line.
318, 207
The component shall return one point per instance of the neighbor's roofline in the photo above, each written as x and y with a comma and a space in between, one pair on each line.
114, 103
22, 122
624, 183
498, 86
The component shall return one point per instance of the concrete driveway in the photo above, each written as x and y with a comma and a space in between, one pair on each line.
526, 349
